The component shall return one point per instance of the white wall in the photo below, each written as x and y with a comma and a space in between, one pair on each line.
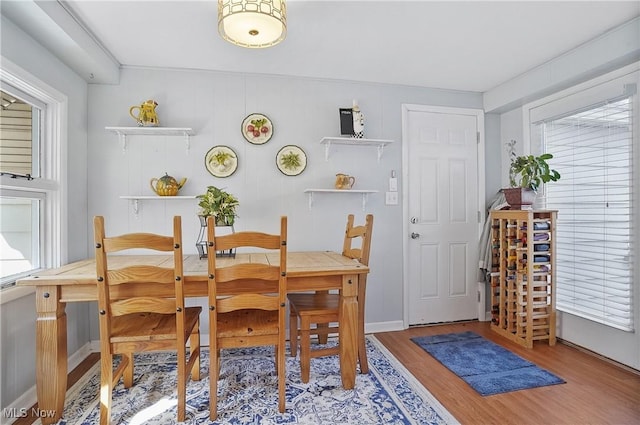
302, 111
17, 318
614, 49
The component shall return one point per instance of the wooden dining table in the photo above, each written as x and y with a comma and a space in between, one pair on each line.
75, 282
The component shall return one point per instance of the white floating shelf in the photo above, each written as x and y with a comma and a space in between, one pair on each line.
364, 192
160, 198
351, 141
122, 133
135, 199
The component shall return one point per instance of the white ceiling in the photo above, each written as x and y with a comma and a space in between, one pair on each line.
472, 45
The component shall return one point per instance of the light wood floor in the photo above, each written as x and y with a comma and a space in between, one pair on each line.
597, 391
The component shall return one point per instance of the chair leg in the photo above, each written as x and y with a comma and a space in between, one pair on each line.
322, 336
182, 382
293, 333
362, 353
305, 349
281, 370
214, 372
106, 385
362, 349
194, 344
128, 371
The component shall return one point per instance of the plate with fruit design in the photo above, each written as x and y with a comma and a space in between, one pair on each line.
257, 129
221, 161
291, 160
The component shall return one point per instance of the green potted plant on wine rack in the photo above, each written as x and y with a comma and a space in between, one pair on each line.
527, 173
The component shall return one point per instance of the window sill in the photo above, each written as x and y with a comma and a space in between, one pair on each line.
14, 292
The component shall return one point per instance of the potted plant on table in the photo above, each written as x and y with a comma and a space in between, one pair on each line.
222, 206
527, 174
218, 203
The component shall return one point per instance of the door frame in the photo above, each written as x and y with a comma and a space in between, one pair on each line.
406, 108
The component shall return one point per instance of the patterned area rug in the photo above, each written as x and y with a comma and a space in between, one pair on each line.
388, 394
486, 366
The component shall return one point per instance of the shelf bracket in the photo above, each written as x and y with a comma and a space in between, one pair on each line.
327, 146
380, 150
310, 196
364, 201
135, 203
123, 140
187, 140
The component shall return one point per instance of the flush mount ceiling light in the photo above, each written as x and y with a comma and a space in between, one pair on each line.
252, 23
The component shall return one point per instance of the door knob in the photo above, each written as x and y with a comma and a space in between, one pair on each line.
414, 220
415, 235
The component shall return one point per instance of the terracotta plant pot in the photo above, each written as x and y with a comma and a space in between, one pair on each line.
516, 197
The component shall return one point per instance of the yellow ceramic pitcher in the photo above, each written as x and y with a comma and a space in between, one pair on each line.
146, 116
344, 181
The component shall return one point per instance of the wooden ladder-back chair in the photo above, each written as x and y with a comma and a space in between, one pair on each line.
321, 308
256, 314
135, 320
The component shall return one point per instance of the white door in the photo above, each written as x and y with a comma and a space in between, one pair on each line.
442, 148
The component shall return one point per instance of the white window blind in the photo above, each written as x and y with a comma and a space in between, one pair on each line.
593, 151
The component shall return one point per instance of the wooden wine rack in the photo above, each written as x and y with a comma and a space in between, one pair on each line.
523, 275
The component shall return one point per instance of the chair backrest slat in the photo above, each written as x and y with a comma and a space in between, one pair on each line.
247, 239
247, 274
248, 271
138, 240
248, 301
108, 277
139, 274
363, 232
143, 304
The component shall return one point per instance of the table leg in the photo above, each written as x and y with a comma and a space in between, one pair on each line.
51, 353
348, 335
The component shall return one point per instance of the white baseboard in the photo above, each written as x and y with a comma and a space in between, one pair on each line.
482, 299
76, 358
370, 328
30, 397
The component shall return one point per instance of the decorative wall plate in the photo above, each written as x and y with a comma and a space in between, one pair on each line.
257, 129
221, 161
291, 160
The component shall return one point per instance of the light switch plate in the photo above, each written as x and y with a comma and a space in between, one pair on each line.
393, 184
391, 198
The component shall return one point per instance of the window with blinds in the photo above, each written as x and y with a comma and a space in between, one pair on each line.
593, 151
19, 134
24, 191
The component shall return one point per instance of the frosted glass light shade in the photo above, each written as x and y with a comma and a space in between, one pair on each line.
252, 23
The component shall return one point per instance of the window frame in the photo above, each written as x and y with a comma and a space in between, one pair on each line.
598, 272
52, 159
564, 102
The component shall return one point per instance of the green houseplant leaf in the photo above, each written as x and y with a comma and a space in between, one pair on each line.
219, 204
531, 172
